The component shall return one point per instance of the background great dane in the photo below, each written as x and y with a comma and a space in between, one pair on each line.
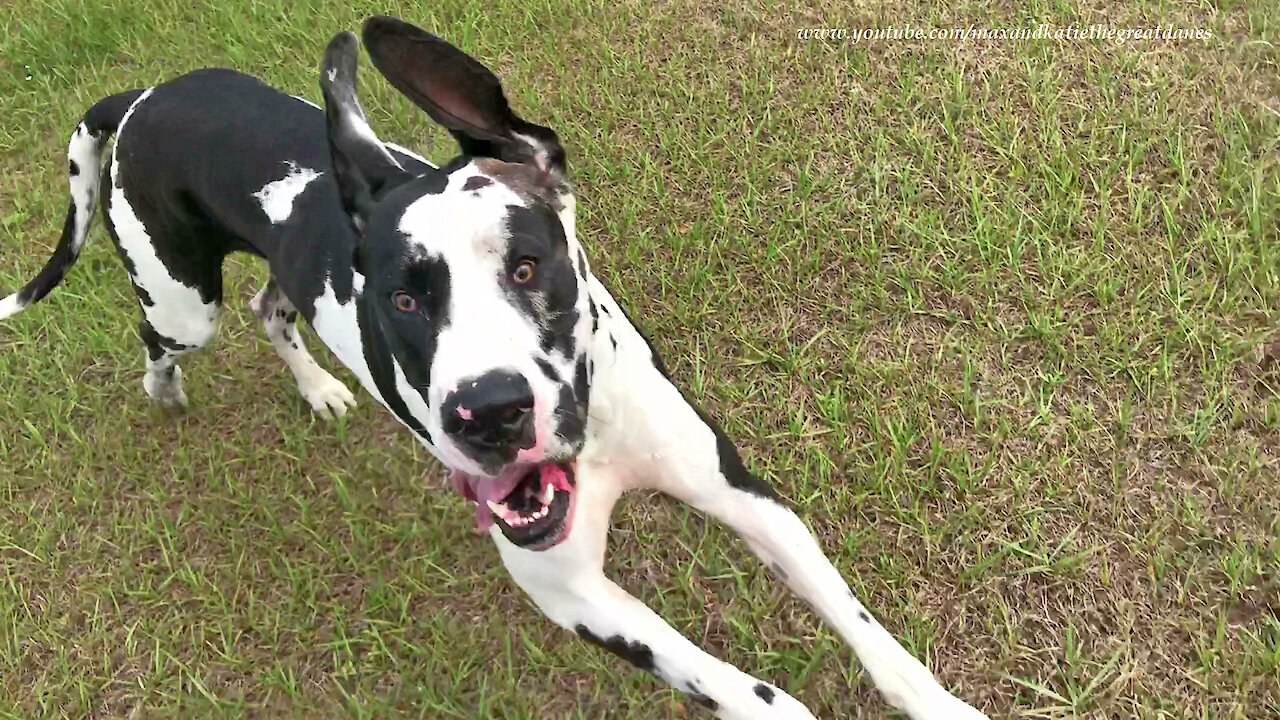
1046, 400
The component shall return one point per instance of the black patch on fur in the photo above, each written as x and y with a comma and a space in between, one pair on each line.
582, 383
430, 182
143, 296
56, 267
735, 473
701, 698
386, 332
595, 315
613, 341
475, 182
535, 232
74, 168
376, 339
547, 369
157, 344
634, 652
731, 465
582, 265
863, 616
151, 339
356, 263
291, 317
764, 692
572, 414
106, 114
185, 238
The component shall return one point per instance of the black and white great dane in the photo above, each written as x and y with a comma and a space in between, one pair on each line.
462, 300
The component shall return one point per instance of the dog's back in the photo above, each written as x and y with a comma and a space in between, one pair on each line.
193, 158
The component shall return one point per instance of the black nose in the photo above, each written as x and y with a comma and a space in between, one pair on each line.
491, 412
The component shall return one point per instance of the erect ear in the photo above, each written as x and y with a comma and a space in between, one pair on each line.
362, 167
460, 94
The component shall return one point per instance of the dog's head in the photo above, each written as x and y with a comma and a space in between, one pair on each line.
474, 312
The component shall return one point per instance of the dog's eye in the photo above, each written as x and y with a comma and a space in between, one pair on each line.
404, 302
524, 271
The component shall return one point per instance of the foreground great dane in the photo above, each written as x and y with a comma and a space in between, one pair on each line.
462, 300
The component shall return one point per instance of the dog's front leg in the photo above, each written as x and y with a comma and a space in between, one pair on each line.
568, 584
694, 461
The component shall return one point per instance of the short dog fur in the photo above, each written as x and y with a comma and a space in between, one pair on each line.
461, 299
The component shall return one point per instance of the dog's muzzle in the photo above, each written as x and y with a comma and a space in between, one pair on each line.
532, 504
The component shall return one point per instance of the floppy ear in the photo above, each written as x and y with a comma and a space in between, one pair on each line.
460, 94
362, 167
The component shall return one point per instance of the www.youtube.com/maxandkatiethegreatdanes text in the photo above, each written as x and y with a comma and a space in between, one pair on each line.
1043, 31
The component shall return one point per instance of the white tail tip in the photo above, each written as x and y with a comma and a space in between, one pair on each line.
10, 306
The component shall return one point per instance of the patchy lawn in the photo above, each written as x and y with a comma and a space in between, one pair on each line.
1002, 318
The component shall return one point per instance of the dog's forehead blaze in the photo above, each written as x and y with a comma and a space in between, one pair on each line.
467, 217
472, 217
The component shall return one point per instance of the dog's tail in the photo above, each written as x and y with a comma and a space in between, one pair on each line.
85, 167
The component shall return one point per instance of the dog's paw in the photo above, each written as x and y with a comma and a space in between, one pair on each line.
326, 394
166, 388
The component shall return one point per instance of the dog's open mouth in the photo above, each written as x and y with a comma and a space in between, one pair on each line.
531, 504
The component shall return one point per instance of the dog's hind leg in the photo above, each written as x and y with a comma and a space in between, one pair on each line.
325, 393
181, 300
177, 318
163, 379
179, 323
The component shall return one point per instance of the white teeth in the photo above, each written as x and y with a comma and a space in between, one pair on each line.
516, 519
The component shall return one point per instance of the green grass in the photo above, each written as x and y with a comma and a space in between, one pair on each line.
1002, 319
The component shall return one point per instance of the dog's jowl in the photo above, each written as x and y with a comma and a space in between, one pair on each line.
462, 300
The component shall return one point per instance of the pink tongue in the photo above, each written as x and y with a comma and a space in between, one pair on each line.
555, 476
479, 489
484, 518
